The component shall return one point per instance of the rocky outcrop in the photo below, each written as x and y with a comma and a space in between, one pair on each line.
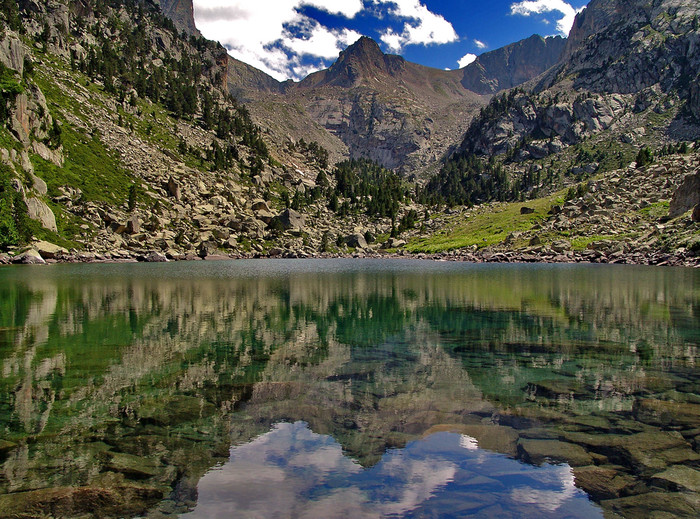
625, 46
513, 64
686, 197
546, 123
182, 13
12, 52
597, 16
42, 213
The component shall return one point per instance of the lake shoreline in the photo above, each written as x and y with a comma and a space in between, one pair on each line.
680, 258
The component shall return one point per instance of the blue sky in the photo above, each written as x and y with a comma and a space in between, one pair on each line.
289, 39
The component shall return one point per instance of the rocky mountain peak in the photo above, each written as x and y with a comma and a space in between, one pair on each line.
363, 49
363, 60
513, 64
598, 15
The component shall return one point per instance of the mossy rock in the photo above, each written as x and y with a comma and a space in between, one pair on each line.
6, 447
133, 467
655, 504
541, 451
175, 410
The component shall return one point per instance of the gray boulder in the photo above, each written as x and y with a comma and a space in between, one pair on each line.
686, 196
133, 225
173, 189
42, 213
356, 241
49, 250
30, 257
561, 246
155, 257
291, 220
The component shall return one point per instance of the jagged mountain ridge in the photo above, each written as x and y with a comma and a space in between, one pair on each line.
626, 64
385, 108
372, 105
401, 114
513, 64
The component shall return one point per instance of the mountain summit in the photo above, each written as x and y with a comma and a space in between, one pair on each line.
513, 64
361, 61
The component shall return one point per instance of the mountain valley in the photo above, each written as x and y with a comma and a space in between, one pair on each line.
127, 135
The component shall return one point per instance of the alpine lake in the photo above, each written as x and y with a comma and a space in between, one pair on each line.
349, 388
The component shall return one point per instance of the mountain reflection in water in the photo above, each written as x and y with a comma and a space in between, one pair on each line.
397, 387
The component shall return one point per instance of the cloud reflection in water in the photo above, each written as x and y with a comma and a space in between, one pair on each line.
293, 472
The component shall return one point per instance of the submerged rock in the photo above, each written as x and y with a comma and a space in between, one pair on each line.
655, 504
666, 412
602, 482
680, 476
135, 467
541, 451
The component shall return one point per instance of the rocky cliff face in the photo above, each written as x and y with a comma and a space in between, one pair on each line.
627, 65
31, 124
513, 64
182, 13
628, 46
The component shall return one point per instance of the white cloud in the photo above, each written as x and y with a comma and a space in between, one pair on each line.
530, 7
422, 27
257, 32
276, 36
480, 44
348, 8
466, 60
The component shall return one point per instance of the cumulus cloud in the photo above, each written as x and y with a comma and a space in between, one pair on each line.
466, 60
422, 26
280, 38
567, 11
480, 44
274, 35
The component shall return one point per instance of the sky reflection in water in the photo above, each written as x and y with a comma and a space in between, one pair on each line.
293, 472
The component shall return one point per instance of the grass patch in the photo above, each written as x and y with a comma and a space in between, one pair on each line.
88, 166
488, 227
656, 210
7, 141
582, 242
